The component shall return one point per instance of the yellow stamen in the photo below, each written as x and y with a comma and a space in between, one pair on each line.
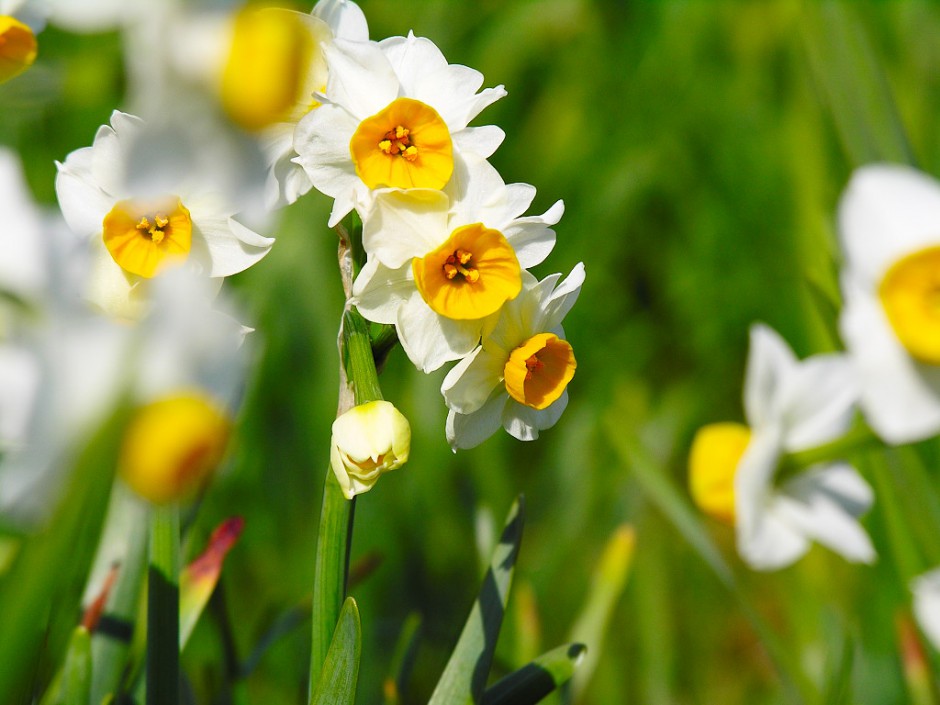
538, 371
17, 47
716, 451
405, 145
171, 446
145, 238
471, 275
910, 294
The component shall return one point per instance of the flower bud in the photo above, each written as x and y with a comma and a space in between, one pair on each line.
368, 440
172, 446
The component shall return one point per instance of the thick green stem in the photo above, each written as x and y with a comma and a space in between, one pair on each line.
859, 437
163, 611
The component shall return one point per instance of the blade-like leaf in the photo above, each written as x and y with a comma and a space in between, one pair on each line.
76, 681
464, 677
402, 660
340, 673
537, 679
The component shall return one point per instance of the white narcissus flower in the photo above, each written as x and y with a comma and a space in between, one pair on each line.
395, 114
136, 235
368, 440
518, 377
889, 225
441, 263
790, 405
926, 590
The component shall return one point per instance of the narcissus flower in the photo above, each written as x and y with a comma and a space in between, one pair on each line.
888, 224
137, 236
18, 47
790, 406
394, 115
441, 263
518, 377
368, 441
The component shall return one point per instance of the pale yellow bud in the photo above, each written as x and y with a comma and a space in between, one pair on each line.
368, 440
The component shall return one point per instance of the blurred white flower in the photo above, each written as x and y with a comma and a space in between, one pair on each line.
368, 440
888, 223
140, 225
440, 263
395, 114
926, 591
790, 406
518, 377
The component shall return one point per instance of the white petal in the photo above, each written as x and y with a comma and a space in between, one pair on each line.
117, 293
562, 298
84, 205
19, 382
405, 224
525, 423
468, 385
770, 362
532, 240
379, 292
430, 340
230, 246
22, 252
886, 212
899, 396
818, 402
361, 78
926, 589
345, 18
483, 140
468, 431
414, 59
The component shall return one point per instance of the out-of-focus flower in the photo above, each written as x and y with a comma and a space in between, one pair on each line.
888, 219
172, 446
926, 590
518, 377
18, 47
368, 441
395, 114
440, 265
138, 233
790, 406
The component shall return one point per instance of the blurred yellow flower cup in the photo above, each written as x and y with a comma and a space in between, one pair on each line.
368, 440
172, 446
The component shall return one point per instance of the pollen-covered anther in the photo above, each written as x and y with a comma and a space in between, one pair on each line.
459, 263
154, 231
398, 143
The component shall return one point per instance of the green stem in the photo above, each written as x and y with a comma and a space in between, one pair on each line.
331, 569
859, 437
163, 613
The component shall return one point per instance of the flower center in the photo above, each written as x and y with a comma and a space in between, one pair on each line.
17, 47
405, 145
538, 371
910, 295
172, 445
469, 276
265, 76
145, 238
713, 462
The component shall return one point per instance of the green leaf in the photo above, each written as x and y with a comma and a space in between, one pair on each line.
403, 658
163, 607
838, 687
607, 585
537, 679
76, 682
464, 677
340, 673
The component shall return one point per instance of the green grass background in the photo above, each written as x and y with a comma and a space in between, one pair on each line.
700, 170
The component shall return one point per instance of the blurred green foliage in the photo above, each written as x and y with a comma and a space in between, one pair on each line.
700, 172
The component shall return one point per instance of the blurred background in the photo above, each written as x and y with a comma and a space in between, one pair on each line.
700, 169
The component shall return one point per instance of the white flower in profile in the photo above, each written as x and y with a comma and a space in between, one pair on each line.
926, 591
518, 377
889, 224
790, 405
394, 114
441, 263
138, 231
